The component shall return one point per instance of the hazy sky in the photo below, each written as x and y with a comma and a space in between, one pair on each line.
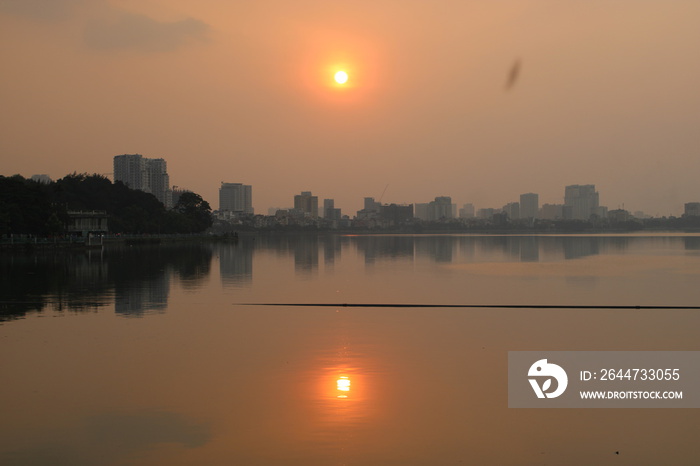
242, 91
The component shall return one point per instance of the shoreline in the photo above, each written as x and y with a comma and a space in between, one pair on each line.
97, 243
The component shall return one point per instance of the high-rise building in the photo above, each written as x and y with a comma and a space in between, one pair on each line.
440, 208
136, 301
486, 212
307, 204
329, 210
130, 169
236, 198
512, 210
420, 211
467, 211
158, 180
529, 205
580, 202
177, 193
328, 206
149, 175
371, 205
370, 209
396, 214
552, 211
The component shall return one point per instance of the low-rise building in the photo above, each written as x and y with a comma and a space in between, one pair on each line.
84, 223
692, 209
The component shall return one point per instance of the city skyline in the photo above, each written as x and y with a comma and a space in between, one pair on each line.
604, 94
579, 202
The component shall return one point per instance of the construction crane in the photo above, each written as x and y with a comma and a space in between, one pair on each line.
382, 196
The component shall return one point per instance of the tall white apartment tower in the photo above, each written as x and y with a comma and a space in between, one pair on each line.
149, 175
158, 180
130, 170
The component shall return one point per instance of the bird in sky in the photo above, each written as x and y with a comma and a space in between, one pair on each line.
513, 75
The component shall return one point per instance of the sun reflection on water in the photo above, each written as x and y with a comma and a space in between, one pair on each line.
343, 386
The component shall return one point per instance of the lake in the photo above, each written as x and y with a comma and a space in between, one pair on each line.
162, 355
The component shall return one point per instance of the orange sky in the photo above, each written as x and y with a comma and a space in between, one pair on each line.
242, 92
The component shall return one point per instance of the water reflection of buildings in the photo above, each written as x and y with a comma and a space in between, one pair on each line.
83, 279
617, 243
385, 247
236, 261
438, 248
304, 249
332, 249
59, 280
530, 249
578, 247
306, 254
512, 248
142, 275
691, 243
143, 297
136, 278
236, 264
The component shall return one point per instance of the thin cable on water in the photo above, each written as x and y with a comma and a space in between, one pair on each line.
471, 306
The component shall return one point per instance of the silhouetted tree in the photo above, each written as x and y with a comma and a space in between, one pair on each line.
30, 207
196, 212
25, 206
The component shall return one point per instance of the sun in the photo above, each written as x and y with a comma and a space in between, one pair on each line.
341, 77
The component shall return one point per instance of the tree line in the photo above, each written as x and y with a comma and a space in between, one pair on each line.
32, 207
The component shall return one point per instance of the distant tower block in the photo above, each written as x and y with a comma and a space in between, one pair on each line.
529, 205
236, 198
307, 204
149, 175
580, 202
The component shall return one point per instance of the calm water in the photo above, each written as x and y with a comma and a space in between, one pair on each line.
145, 356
